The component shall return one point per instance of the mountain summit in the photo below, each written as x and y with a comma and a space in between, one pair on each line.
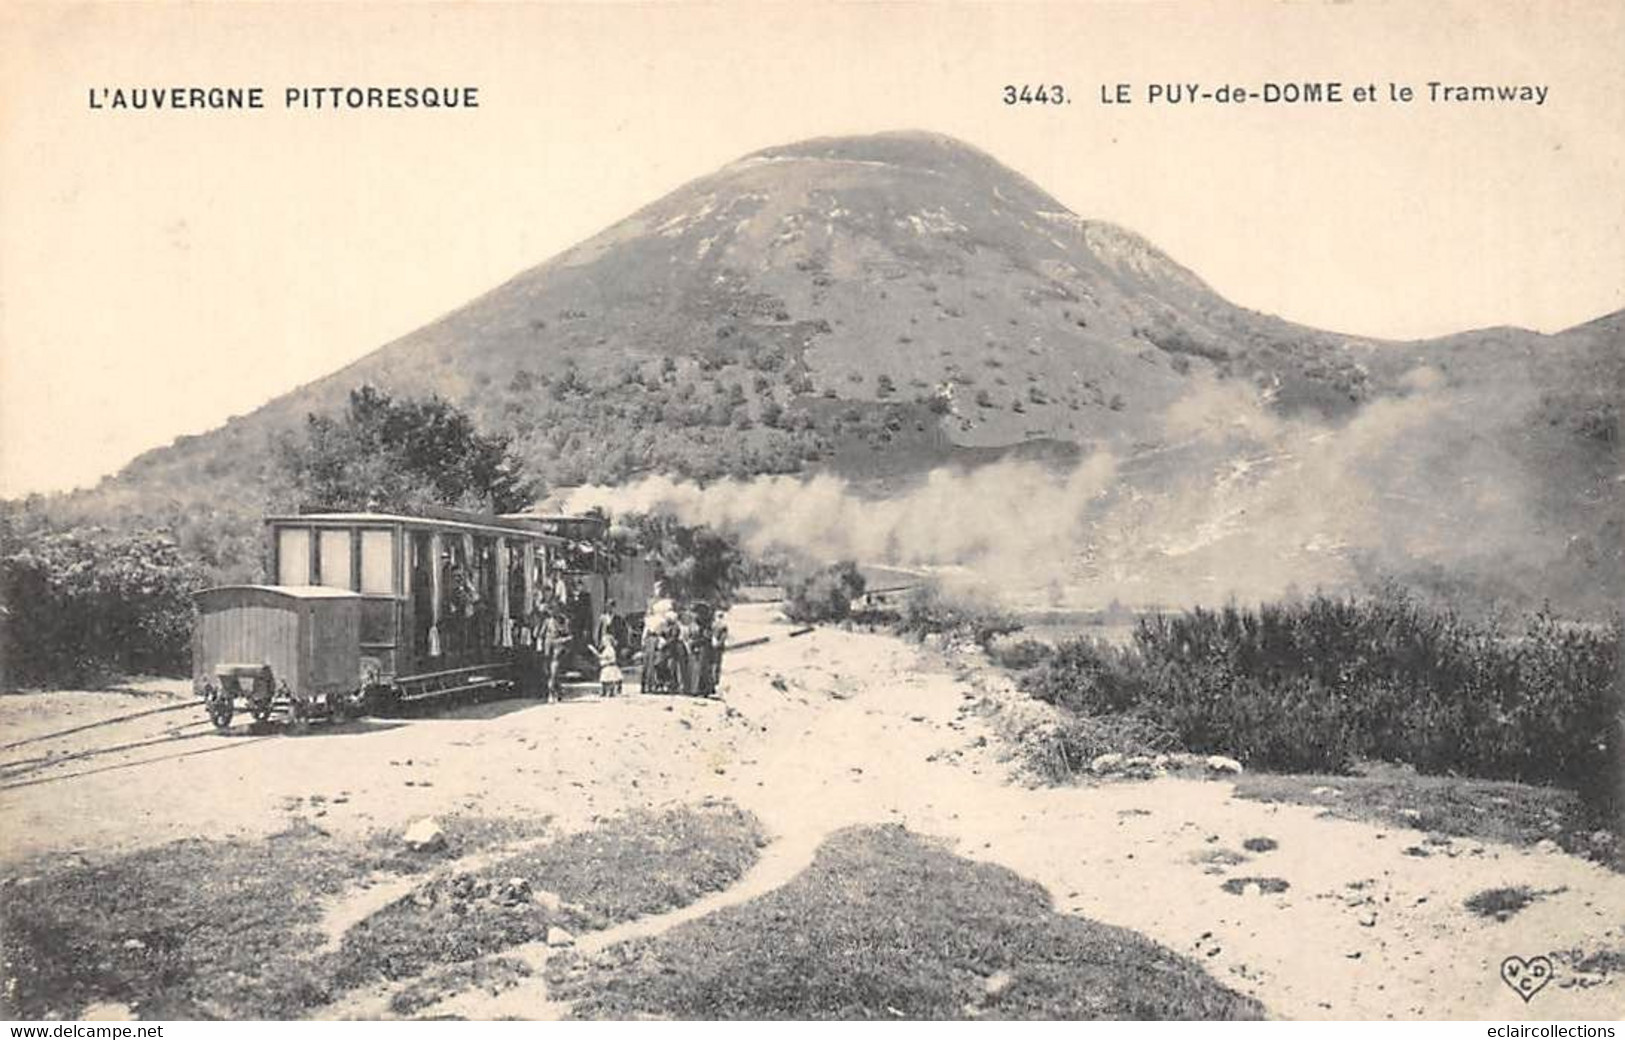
880, 305
870, 268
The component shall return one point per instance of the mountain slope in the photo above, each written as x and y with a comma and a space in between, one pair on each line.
880, 305
824, 267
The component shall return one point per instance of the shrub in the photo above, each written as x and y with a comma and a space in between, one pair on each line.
403, 454
1019, 655
1317, 684
1068, 749
825, 594
934, 610
84, 605
692, 562
1088, 677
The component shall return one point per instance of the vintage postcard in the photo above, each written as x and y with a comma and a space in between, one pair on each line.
861, 511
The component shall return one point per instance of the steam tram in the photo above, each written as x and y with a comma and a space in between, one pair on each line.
374, 609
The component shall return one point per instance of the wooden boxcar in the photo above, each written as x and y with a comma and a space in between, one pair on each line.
294, 649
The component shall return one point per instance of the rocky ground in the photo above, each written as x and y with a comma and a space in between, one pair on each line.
1316, 917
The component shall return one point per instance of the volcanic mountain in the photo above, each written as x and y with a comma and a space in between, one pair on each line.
879, 306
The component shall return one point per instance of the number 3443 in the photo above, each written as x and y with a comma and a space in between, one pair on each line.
1035, 94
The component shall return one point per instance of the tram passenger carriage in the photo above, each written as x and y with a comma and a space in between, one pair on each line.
370, 609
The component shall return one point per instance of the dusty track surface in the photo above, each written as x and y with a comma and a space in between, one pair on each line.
835, 729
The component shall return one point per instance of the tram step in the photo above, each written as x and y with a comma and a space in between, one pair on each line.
479, 683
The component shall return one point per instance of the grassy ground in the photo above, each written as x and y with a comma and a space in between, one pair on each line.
231, 929
643, 862
1489, 810
885, 925
635, 864
195, 929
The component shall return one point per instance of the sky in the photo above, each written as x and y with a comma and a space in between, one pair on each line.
163, 271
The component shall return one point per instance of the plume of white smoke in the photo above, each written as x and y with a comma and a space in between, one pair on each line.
1236, 502
1252, 505
1015, 521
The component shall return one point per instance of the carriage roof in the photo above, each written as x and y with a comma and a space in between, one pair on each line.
291, 591
298, 598
490, 525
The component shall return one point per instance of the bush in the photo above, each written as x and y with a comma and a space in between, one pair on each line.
1069, 748
1088, 678
1019, 655
384, 453
933, 610
1318, 684
692, 562
824, 595
81, 606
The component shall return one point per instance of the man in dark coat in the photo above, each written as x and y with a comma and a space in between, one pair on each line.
533, 652
605, 625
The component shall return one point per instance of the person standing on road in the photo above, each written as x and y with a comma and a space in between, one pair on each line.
609, 669
693, 658
606, 626
555, 644
541, 609
655, 619
669, 656
719, 643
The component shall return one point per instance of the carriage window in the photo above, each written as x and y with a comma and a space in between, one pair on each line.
335, 559
378, 562
293, 556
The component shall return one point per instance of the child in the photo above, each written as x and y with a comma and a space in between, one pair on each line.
609, 670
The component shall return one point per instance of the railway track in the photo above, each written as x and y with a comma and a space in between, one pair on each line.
25, 771
35, 769
100, 722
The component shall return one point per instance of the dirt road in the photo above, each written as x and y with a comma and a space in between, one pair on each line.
838, 728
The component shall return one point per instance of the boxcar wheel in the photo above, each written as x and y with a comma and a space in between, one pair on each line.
219, 707
380, 699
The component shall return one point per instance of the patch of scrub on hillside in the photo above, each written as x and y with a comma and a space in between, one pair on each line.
886, 924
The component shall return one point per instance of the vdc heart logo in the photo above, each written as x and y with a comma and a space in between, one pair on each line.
1526, 977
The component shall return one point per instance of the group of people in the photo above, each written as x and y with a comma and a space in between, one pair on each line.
465, 613
561, 630
682, 648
